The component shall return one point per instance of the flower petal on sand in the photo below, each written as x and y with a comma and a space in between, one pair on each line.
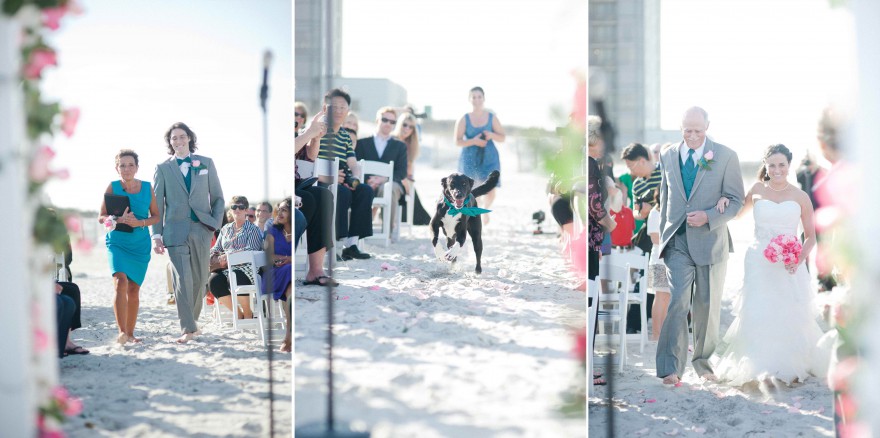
374, 287
672, 432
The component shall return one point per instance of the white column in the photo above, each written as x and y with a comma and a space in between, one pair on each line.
17, 382
864, 150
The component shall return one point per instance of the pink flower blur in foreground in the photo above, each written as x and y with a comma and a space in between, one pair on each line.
52, 17
39, 171
39, 59
41, 340
69, 119
580, 346
73, 223
579, 253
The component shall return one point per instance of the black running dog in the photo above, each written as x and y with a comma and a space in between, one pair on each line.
457, 215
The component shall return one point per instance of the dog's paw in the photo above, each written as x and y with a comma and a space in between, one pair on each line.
453, 253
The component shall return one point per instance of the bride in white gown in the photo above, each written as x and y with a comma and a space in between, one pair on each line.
775, 333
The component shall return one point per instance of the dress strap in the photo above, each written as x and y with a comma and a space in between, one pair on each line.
467, 120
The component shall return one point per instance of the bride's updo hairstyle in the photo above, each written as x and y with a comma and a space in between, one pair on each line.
773, 150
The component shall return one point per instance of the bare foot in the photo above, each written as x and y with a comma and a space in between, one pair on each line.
710, 377
131, 338
122, 338
671, 379
186, 337
285, 346
485, 217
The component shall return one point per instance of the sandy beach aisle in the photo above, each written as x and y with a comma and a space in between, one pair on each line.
423, 350
647, 408
215, 386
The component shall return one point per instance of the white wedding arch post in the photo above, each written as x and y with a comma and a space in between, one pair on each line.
18, 378
866, 15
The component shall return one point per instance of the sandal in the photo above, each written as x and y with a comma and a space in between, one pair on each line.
599, 381
317, 282
75, 350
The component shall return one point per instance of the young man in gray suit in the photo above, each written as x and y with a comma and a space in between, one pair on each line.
695, 243
191, 207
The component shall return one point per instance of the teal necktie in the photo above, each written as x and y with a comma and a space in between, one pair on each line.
187, 179
689, 173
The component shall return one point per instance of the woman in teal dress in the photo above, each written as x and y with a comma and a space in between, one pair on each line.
129, 253
476, 133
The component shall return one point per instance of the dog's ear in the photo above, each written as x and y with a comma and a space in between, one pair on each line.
443, 182
470, 182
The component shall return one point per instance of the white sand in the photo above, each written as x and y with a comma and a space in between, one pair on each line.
429, 351
697, 408
215, 386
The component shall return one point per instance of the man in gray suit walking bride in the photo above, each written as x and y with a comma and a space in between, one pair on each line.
695, 243
191, 207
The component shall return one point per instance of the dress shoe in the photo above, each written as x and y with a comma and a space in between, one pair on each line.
352, 252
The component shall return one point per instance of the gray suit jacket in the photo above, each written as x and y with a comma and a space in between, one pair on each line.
710, 243
205, 198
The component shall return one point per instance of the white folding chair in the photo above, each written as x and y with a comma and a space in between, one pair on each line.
593, 289
410, 210
301, 258
616, 282
305, 168
379, 168
61, 268
253, 260
638, 264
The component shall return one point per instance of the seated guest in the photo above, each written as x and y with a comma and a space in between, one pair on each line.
350, 195
407, 133
383, 147
252, 215
65, 308
278, 238
238, 235
300, 115
351, 125
622, 235
71, 290
264, 217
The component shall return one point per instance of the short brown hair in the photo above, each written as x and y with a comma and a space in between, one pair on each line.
127, 153
239, 200
189, 133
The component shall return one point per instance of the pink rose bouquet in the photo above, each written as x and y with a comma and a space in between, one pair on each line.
785, 248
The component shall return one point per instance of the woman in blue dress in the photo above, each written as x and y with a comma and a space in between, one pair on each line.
476, 133
129, 253
278, 237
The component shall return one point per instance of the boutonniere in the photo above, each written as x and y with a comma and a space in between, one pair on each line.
197, 165
706, 161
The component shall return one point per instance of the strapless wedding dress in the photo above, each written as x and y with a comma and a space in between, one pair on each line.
775, 332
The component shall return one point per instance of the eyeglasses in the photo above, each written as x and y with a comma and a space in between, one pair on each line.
407, 125
351, 130
238, 207
384, 120
299, 114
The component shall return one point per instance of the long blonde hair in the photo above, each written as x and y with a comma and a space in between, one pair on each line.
412, 143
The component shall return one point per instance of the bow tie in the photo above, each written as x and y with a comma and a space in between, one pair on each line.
467, 211
187, 159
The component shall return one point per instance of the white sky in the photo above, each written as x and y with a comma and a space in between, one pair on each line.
134, 68
762, 69
522, 52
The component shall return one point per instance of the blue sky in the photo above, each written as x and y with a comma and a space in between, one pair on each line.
134, 68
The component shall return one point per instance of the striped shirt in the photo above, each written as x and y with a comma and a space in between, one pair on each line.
246, 238
642, 188
339, 145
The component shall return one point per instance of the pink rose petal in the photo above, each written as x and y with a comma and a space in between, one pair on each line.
388, 267
821, 410
677, 384
69, 119
420, 295
374, 287
651, 400
672, 432
794, 410
700, 429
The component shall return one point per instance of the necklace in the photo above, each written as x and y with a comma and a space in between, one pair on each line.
770, 186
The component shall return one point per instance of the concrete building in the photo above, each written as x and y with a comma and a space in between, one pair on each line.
624, 46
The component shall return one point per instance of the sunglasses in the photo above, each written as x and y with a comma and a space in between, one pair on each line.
299, 114
351, 130
238, 207
250, 216
391, 121
407, 125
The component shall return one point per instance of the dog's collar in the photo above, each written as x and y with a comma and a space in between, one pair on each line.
467, 211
